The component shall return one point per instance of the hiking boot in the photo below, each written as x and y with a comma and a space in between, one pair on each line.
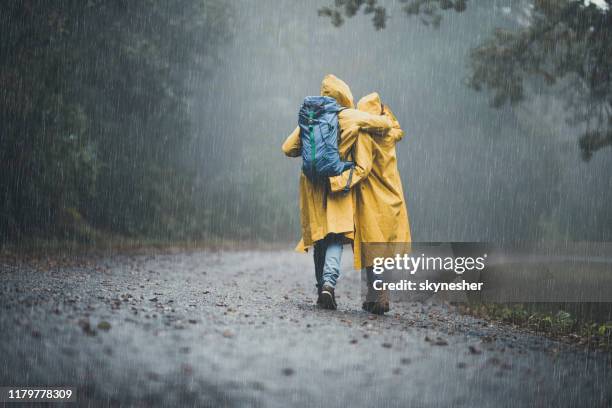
319, 294
380, 306
327, 298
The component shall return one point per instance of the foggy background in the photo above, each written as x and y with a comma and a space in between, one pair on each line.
470, 172
164, 121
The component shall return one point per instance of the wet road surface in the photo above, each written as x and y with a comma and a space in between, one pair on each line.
239, 328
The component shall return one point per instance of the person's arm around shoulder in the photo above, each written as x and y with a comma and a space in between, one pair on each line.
293, 144
367, 122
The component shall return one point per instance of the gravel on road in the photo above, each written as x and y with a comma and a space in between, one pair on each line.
240, 328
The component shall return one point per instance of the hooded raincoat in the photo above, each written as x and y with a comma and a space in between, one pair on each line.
322, 211
381, 214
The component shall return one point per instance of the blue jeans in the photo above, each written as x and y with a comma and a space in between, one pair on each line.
327, 256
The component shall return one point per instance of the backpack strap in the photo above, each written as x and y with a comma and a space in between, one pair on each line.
347, 188
325, 193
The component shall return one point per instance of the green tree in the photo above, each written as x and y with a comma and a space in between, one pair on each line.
94, 103
566, 42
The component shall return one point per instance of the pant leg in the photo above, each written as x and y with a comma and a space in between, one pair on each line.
333, 256
379, 297
319, 261
370, 277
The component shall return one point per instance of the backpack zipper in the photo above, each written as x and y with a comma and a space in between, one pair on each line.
312, 141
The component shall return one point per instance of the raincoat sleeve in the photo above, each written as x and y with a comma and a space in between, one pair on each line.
355, 122
396, 133
293, 145
363, 158
375, 124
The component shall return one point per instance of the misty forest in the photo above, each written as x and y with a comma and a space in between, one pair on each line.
163, 120
149, 212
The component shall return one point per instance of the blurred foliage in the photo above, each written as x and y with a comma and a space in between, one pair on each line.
566, 43
349, 8
429, 11
250, 208
549, 319
94, 106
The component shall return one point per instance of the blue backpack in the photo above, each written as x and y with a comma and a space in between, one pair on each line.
318, 121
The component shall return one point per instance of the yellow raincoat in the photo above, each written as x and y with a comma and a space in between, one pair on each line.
323, 212
381, 214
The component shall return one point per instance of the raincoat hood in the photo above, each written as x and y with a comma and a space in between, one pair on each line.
338, 89
370, 103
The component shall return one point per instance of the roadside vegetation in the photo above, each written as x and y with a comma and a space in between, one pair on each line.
580, 328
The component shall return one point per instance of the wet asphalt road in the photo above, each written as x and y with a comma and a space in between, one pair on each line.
239, 328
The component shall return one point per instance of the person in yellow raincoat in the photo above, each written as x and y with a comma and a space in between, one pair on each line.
327, 218
381, 215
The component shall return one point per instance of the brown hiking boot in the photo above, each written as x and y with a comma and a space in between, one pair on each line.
327, 298
380, 305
